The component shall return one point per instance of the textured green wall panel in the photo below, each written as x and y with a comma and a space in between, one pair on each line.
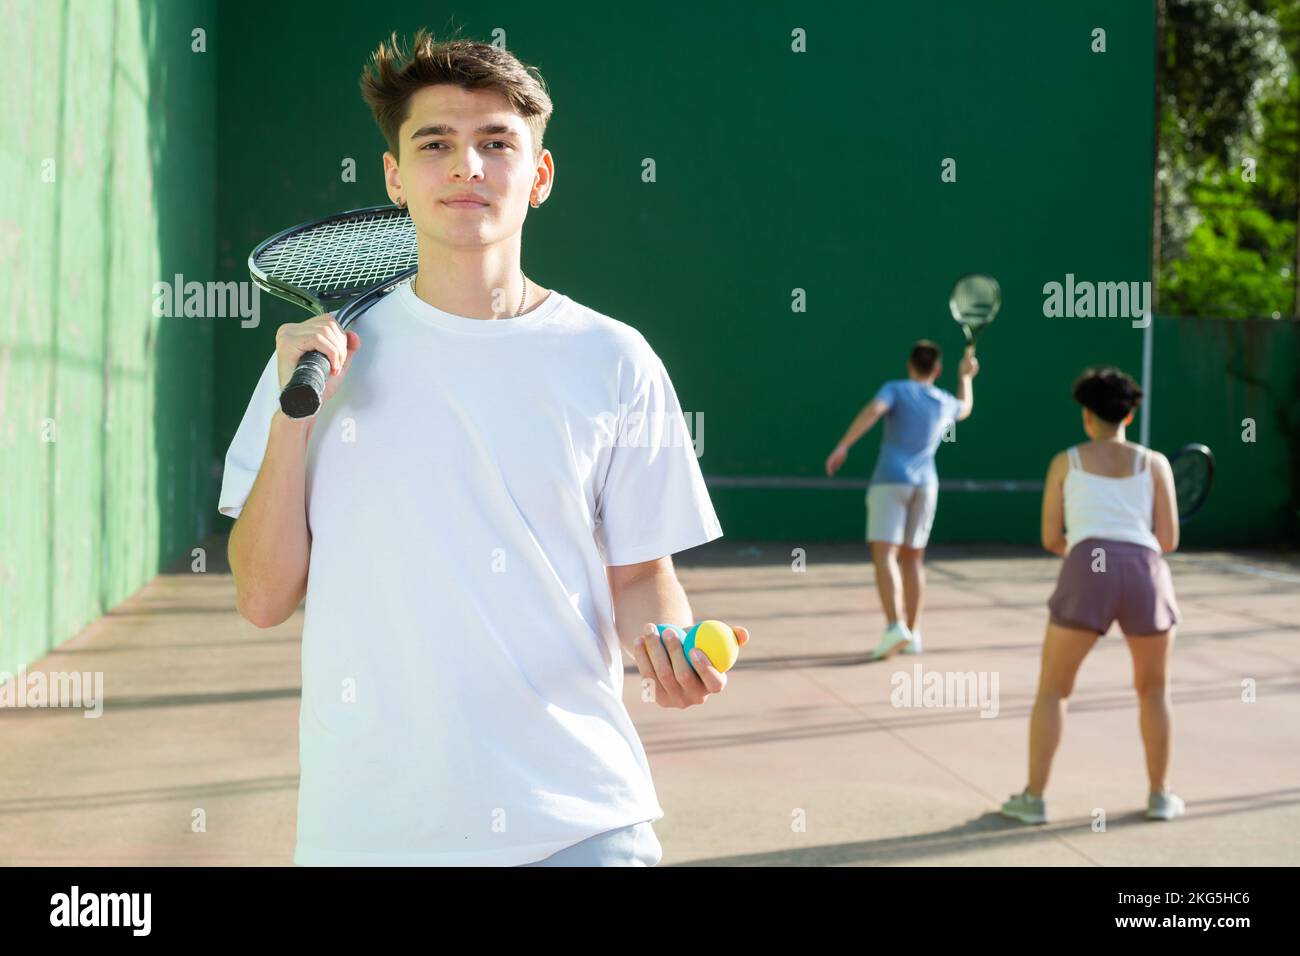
1209, 376
112, 91
76, 300
776, 171
31, 51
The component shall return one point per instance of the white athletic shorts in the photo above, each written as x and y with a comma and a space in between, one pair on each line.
635, 845
901, 514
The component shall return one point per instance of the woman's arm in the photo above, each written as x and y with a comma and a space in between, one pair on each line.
1164, 518
1053, 525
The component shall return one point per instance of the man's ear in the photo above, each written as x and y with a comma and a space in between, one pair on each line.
393, 180
544, 176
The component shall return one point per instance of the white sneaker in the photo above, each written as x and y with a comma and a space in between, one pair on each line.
895, 638
1026, 808
1165, 806
915, 646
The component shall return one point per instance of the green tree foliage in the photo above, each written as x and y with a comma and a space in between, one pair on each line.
1228, 164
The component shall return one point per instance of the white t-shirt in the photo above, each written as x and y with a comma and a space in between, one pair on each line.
466, 486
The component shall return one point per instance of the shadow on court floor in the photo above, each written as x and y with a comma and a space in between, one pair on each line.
804, 760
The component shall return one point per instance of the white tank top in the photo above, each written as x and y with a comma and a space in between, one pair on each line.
1117, 509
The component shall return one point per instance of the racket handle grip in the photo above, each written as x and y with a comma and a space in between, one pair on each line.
301, 398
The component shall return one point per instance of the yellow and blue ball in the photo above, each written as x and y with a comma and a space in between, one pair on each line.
715, 639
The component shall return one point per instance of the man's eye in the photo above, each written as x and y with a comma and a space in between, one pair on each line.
495, 142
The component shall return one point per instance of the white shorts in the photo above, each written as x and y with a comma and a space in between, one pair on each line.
636, 845
901, 514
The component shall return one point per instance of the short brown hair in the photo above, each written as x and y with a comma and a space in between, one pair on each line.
392, 77
925, 354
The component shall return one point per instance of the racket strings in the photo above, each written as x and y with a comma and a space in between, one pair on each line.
1193, 471
346, 255
1189, 477
975, 300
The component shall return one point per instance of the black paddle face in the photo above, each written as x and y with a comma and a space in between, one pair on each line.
1193, 468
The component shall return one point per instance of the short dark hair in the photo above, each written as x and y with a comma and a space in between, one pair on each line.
394, 76
1107, 392
925, 355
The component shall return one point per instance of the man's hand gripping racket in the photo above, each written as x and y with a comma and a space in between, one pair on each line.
355, 258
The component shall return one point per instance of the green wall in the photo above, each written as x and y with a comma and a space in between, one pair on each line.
105, 441
1209, 377
776, 171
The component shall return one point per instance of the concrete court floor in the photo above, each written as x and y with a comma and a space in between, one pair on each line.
802, 761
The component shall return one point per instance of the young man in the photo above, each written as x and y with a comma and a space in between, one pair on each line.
905, 487
480, 513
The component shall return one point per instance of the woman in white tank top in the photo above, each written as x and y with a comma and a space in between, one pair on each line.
1109, 509
1113, 508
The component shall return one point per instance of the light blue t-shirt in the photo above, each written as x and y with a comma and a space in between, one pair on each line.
914, 425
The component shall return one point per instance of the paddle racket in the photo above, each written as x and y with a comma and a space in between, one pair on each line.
1192, 465
353, 257
1193, 468
974, 302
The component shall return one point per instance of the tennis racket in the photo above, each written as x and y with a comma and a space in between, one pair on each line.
1193, 468
354, 257
974, 302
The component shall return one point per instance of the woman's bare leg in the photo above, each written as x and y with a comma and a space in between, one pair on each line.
1064, 649
1151, 656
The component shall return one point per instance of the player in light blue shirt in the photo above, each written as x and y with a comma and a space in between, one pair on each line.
905, 486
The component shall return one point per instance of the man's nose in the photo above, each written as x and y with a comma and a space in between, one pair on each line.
469, 164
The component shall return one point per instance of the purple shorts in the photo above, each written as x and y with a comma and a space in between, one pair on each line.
1135, 588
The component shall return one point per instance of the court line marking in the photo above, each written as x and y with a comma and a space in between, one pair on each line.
795, 481
1242, 569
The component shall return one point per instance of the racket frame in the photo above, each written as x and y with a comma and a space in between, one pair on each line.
1193, 448
972, 330
312, 300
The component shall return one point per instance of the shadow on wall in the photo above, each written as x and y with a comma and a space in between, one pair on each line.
181, 47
